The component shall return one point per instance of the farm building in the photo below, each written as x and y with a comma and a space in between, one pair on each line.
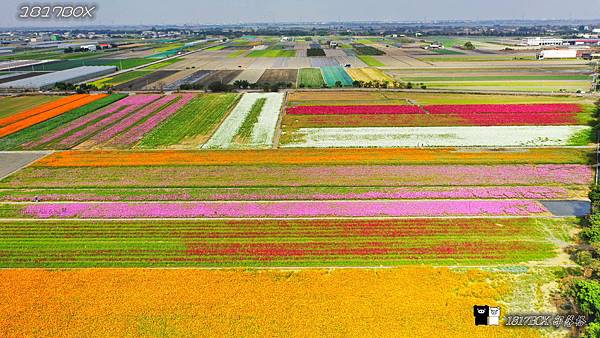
539, 41
72, 75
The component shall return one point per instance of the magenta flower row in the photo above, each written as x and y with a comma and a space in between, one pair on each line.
437, 109
288, 209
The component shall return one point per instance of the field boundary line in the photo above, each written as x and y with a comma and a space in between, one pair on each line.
297, 268
278, 218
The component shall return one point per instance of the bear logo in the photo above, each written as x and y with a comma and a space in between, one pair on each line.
481, 314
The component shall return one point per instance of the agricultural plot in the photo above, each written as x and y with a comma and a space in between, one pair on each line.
22, 120
340, 242
391, 156
41, 176
366, 50
222, 76
271, 53
493, 136
189, 79
336, 76
310, 78
214, 302
437, 115
251, 124
128, 132
11, 105
371, 61
368, 75
120, 79
318, 62
151, 80
315, 52
279, 209
28, 138
192, 125
250, 75
119, 125
279, 76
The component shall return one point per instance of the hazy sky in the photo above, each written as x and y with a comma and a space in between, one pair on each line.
133, 12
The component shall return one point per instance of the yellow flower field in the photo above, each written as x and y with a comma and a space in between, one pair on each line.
368, 74
406, 302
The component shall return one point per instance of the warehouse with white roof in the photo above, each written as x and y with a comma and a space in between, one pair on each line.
46, 81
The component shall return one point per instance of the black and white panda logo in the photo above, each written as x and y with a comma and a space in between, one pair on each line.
481, 314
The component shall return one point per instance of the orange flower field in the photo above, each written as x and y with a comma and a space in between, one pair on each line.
40, 109
315, 156
40, 114
424, 301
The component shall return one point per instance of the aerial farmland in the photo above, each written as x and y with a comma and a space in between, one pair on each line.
306, 184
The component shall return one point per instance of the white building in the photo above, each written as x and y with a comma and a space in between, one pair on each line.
558, 54
539, 41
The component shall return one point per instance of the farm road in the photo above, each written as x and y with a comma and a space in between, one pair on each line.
11, 162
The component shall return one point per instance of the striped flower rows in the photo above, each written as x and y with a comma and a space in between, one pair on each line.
134, 118
128, 105
135, 134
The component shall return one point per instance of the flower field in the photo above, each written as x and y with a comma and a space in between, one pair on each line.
504, 108
27, 136
28, 118
187, 302
119, 125
391, 156
489, 136
261, 123
368, 75
298, 175
191, 125
345, 110
15, 104
353, 195
294, 209
434, 115
17, 116
298, 242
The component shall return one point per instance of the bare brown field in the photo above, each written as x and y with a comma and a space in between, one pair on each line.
150, 81
223, 76
279, 75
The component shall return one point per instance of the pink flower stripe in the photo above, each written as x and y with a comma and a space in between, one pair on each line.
109, 133
75, 138
503, 108
343, 110
135, 134
136, 100
421, 193
502, 119
288, 209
